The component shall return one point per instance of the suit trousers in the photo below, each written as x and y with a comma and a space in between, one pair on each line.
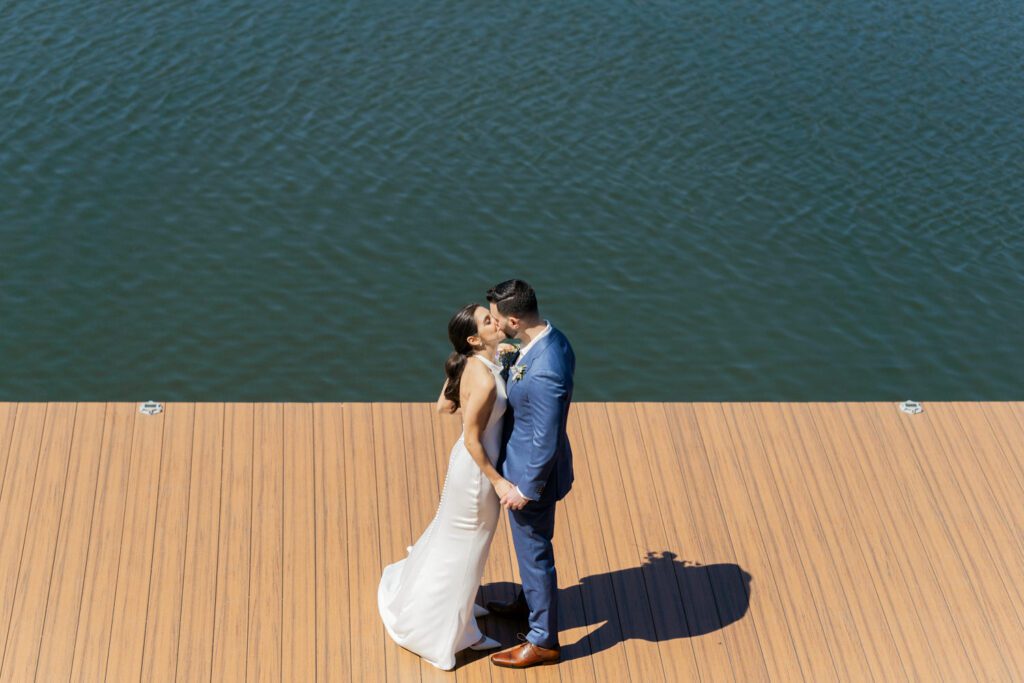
533, 527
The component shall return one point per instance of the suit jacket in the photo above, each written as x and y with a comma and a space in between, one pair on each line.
536, 455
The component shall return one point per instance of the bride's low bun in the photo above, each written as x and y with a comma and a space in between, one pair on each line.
453, 368
461, 327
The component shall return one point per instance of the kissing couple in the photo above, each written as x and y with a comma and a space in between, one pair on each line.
513, 453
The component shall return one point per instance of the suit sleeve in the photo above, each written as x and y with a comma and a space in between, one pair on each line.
548, 395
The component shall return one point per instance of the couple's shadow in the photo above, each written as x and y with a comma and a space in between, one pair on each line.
662, 599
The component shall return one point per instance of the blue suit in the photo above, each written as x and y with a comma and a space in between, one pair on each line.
537, 458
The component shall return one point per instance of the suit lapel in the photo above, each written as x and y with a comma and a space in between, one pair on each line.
535, 354
542, 344
511, 384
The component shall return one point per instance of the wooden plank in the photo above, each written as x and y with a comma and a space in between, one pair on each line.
417, 446
299, 627
265, 590
847, 589
31, 425
333, 644
938, 646
446, 431
986, 466
727, 576
966, 438
785, 660
92, 639
364, 558
57, 643
1001, 461
789, 559
499, 583
849, 506
668, 622
872, 514
1004, 453
18, 660
604, 644
164, 612
395, 532
131, 588
199, 599
1007, 421
632, 617
573, 626
8, 417
163, 616
234, 546
942, 518
672, 492
1016, 409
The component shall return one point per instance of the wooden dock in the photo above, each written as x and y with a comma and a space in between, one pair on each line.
701, 542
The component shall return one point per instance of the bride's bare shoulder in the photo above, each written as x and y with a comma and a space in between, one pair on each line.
478, 376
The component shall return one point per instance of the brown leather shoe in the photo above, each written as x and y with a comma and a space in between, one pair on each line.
510, 610
526, 655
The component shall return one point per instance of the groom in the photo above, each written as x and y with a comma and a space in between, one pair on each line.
536, 457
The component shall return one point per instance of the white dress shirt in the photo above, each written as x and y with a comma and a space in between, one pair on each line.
522, 352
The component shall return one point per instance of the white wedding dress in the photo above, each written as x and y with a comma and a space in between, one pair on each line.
426, 599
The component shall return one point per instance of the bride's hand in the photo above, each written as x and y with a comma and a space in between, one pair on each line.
502, 486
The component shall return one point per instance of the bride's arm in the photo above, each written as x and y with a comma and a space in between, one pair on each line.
477, 396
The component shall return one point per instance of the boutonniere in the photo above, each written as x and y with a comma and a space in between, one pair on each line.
506, 352
517, 372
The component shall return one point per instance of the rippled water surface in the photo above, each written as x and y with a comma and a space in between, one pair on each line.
258, 200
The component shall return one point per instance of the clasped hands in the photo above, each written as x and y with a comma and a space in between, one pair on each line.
509, 495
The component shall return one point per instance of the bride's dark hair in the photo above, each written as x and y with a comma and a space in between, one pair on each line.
460, 328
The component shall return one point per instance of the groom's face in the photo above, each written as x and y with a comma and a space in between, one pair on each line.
508, 326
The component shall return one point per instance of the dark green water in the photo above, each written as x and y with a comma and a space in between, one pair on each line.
285, 201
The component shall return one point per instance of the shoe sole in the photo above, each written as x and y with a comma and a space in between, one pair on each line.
528, 666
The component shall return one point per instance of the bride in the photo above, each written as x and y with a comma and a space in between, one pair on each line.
426, 600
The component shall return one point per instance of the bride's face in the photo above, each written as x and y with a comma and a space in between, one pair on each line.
486, 329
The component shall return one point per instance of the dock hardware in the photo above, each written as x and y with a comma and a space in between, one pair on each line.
151, 408
911, 407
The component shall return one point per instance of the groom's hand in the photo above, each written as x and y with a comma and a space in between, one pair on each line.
513, 500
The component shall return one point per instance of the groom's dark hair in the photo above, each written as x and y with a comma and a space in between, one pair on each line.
514, 298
